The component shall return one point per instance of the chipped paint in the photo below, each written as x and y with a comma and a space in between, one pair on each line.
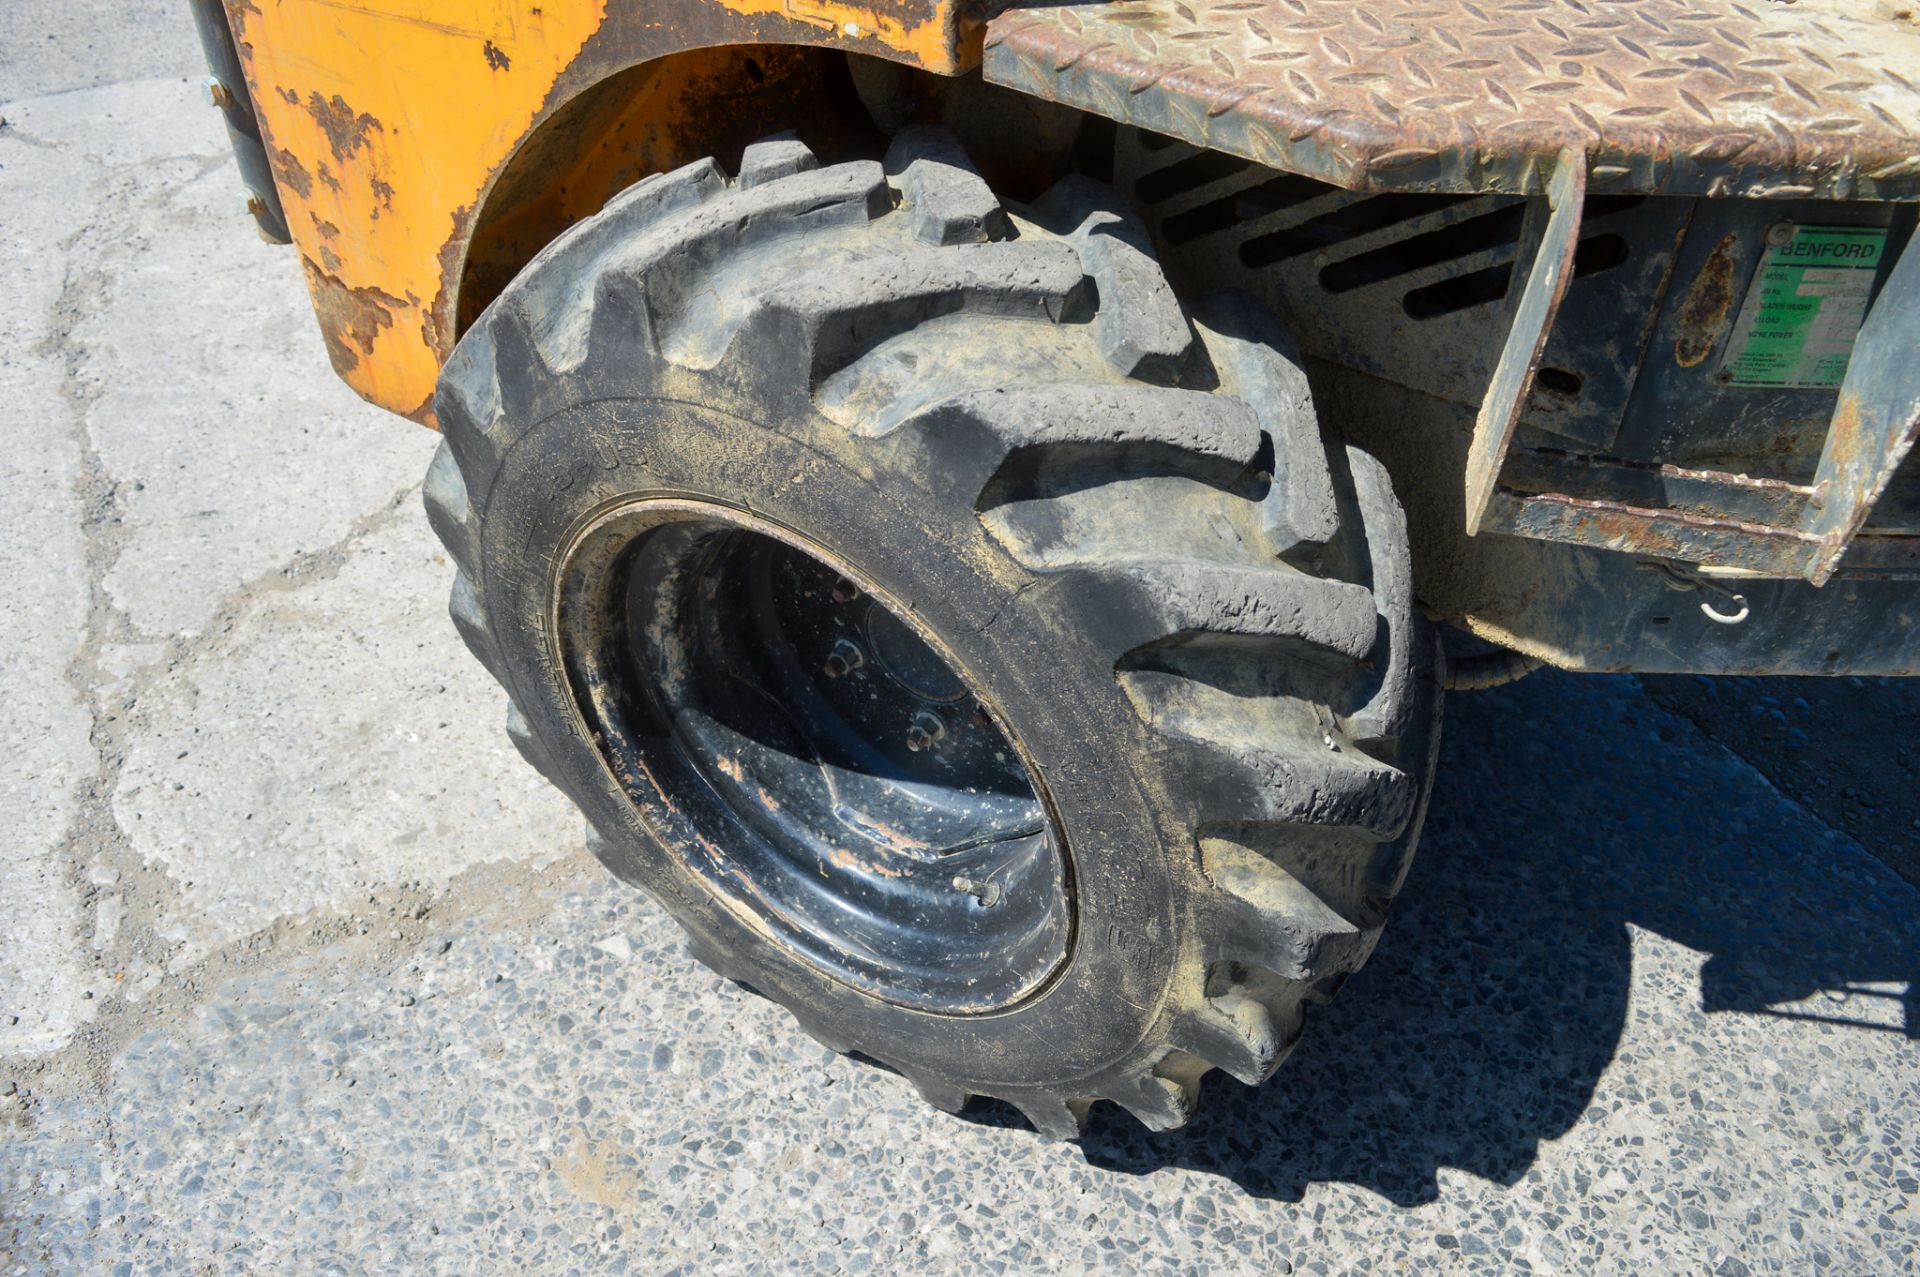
390, 121
399, 120
293, 174
346, 132
351, 319
930, 41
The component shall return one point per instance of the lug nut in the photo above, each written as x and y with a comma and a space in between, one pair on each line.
928, 727
845, 591
845, 659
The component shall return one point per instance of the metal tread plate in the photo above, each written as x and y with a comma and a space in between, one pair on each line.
1754, 98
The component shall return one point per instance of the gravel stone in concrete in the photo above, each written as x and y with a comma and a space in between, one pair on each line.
1611, 1031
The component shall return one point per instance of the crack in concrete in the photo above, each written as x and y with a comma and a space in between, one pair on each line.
92, 833
94, 851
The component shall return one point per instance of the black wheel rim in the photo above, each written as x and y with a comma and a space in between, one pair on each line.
826, 766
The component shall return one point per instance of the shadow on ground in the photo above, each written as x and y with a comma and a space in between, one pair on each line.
1567, 810
1848, 749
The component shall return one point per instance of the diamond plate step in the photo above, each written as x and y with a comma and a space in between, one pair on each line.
1819, 98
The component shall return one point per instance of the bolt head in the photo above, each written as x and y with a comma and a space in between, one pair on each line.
845, 658
926, 729
218, 94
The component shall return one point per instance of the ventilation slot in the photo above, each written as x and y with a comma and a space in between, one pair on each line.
1465, 292
1185, 175
1498, 229
1558, 382
1341, 224
1282, 192
1477, 288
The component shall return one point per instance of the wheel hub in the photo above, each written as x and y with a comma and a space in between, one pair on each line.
848, 787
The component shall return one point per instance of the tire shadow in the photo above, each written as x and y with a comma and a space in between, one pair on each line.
1566, 809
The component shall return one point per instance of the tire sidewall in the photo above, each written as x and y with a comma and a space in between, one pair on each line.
875, 504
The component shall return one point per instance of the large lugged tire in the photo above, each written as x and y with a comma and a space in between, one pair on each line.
738, 470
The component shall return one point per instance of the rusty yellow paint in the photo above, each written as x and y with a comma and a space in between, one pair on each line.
385, 120
930, 43
388, 121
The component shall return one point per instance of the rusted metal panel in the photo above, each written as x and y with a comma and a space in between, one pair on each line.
1416, 288
387, 122
1547, 279
1591, 608
1657, 486
1710, 97
1733, 521
1636, 434
1658, 533
383, 121
1876, 421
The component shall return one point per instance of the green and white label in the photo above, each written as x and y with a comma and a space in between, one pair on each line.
1804, 307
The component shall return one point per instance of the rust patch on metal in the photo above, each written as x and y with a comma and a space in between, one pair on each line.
350, 318
439, 326
1703, 315
346, 131
1669, 534
496, 57
293, 173
423, 414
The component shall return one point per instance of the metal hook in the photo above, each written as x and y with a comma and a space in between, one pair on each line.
1678, 580
1728, 618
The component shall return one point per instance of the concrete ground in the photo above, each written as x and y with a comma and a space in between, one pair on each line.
302, 971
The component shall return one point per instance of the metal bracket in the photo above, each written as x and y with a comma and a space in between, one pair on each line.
1552, 249
227, 91
1875, 421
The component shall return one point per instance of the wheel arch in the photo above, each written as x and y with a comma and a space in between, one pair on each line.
647, 117
414, 151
